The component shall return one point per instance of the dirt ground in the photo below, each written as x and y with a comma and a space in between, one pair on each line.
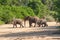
7, 32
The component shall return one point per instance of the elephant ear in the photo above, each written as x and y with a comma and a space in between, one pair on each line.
28, 17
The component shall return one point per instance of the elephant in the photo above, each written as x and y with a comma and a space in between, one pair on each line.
17, 21
42, 22
31, 20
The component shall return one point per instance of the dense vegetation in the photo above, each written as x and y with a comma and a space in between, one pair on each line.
21, 8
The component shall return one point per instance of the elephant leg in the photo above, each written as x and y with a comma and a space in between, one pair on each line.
46, 24
16, 25
42, 25
39, 24
13, 25
35, 24
21, 25
24, 23
30, 24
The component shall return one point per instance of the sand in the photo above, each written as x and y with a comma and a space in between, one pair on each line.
7, 32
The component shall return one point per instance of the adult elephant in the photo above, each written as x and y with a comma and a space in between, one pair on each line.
31, 20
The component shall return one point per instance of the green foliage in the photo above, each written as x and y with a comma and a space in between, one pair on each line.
1, 22
21, 8
7, 13
35, 6
50, 18
57, 9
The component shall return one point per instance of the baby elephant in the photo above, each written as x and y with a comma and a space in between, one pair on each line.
17, 21
42, 23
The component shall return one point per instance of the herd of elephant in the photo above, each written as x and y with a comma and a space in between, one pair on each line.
36, 20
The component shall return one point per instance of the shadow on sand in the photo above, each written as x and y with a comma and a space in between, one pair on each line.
24, 34
47, 27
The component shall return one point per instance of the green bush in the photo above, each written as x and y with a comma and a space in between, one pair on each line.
7, 13
21, 8
50, 18
1, 22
